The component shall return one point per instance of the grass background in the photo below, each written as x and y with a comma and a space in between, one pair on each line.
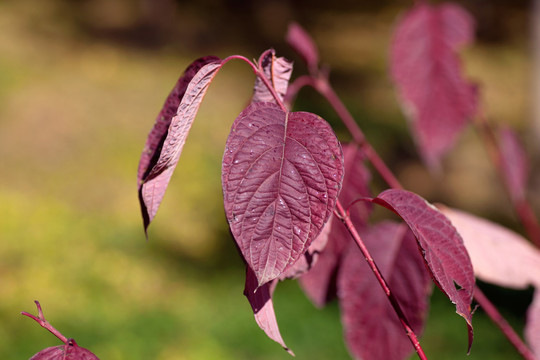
80, 86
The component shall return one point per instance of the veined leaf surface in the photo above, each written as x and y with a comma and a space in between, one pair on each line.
281, 175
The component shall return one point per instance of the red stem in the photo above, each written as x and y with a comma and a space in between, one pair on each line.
40, 319
344, 216
322, 85
503, 325
521, 206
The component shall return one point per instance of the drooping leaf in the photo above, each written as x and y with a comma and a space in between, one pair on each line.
278, 71
70, 351
426, 69
514, 163
371, 326
263, 308
499, 255
281, 175
319, 282
441, 245
304, 45
167, 138
532, 327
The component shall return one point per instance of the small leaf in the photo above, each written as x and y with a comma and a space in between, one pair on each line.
304, 45
441, 246
319, 283
62, 352
499, 255
281, 176
372, 329
167, 138
278, 71
426, 69
514, 163
263, 308
532, 328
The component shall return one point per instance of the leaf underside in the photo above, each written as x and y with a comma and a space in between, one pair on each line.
281, 175
442, 248
167, 138
426, 69
278, 72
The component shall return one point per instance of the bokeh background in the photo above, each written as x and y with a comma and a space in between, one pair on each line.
81, 82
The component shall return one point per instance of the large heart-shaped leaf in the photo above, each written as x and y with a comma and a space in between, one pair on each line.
441, 246
62, 352
372, 329
281, 175
426, 69
167, 138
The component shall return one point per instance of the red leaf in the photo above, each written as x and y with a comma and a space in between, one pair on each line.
68, 351
281, 176
499, 256
260, 299
319, 282
532, 328
372, 329
426, 69
167, 138
514, 163
278, 71
441, 246
304, 45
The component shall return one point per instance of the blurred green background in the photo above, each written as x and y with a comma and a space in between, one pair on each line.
80, 85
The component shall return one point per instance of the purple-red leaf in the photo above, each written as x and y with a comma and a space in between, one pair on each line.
372, 328
304, 45
514, 163
69, 351
281, 176
441, 246
167, 138
499, 255
260, 299
278, 71
427, 71
319, 282
532, 328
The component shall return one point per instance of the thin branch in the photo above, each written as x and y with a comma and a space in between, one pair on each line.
40, 319
344, 217
502, 324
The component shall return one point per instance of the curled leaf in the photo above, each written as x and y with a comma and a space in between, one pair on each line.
426, 69
281, 176
278, 71
441, 246
167, 138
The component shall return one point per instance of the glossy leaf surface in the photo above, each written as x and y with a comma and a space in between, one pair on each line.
371, 326
278, 71
167, 138
281, 175
441, 246
425, 66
